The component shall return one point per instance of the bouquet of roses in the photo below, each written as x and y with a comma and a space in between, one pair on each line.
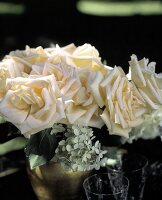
56, 97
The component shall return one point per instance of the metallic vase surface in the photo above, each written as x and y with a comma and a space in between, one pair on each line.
52, 182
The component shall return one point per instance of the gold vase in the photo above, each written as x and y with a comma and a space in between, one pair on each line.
52, 182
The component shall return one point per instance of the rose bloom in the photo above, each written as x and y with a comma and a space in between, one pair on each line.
124, 106
86, 56
9, 69
32, 104
66, 76
18, 64
29, 56
83, 108
149, 84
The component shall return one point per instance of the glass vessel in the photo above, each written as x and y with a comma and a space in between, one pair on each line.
134, 167
106, 186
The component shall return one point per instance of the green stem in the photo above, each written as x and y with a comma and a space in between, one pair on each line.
13, 145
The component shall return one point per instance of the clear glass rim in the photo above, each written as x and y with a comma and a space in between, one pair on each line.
124, 188
133, 170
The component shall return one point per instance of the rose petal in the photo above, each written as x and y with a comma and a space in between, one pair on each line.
94, 85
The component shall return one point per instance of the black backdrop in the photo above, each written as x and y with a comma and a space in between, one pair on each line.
55, 21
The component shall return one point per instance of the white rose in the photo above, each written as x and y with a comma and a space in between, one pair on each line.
59, 54
32, 104
86, 56
149, 84
124, 104
66, 76
9, 69
29, 56
83, 108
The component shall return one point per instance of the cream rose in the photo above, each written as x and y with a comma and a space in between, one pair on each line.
57, 54
66, 76
149, 84
83, 108
86, 56
32, 104
29, 56
9, 69
124, 106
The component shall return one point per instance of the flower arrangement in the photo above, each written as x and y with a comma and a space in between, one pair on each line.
57, 96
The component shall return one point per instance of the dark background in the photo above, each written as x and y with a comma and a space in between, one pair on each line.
116, 38
58, 21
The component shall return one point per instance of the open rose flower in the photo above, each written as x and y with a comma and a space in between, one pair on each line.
86, 56
9, 69
66, 76
83, 108
124, 104
148, 83
29, 56
32, 104
59, 54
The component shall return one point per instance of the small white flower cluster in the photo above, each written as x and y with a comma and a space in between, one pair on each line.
149, 129
57, 128
78, 151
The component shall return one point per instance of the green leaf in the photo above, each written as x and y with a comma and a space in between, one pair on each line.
42, 144
35, 160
